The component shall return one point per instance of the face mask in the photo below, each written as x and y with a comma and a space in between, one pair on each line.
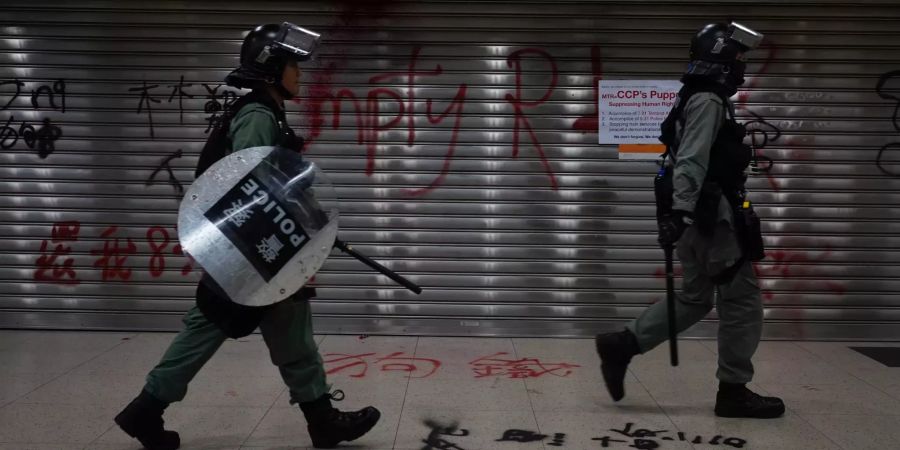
736, 75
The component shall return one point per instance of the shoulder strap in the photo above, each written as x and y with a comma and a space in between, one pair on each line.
668, 126
218, 143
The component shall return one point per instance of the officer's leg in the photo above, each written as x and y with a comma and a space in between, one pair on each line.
693, 303
168, 381
190, 350
740, 325
288, 332
652, 327
739, 306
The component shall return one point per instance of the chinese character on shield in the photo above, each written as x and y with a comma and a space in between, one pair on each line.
269, 248
238, 213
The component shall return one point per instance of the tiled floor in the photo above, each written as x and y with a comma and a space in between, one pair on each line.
60, 390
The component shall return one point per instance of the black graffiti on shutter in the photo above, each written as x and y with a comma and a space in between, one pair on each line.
44, 137
761, 133
18, 84
885, 93
178, 89
214, 107
148, 100
58, 88
165, 164
47, 135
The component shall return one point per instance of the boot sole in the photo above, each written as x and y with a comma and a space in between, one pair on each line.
736, 415
146, 443
352, 437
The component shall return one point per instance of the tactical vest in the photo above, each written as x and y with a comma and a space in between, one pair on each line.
726, 174
729, 156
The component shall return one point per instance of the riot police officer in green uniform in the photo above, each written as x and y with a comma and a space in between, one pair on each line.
269, 66
709, 220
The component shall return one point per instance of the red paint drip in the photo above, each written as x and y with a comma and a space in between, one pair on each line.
320, 91
373, 105
591, 123
771, 55
457, 104
519, 104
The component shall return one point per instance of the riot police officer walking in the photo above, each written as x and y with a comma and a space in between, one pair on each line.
269, 66
705, 211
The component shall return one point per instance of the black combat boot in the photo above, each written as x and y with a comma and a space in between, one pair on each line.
616, 350
142, 420
735, 400
328, 426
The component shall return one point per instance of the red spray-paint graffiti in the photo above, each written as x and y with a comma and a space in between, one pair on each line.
370, 123
591, 122
786, 264
794, 264
113, 256
48, 270
158, 260
761, 131
519, 105
771, 55
394, 362
497, 365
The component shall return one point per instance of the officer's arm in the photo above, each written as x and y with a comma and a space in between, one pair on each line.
703, 116
253, 126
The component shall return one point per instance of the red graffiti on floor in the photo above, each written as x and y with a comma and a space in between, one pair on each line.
358, 364
495, 365
498, 365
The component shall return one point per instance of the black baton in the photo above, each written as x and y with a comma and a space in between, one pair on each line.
345, 247
670, 303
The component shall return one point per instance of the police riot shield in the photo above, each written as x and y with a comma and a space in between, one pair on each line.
261, 222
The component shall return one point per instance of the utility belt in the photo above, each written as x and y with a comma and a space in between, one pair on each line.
747, 223
234, 319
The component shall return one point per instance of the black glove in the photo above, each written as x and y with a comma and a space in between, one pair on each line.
672, 226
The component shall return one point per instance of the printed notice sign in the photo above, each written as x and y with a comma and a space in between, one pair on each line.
631, 112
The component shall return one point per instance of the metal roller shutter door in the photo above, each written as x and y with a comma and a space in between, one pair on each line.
479, 176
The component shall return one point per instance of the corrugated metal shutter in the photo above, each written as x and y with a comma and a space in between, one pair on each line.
479, 176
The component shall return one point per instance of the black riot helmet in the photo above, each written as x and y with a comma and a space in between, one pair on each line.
266, 51
717, 53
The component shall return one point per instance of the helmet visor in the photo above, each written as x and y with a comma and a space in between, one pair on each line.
745, 36
297, 41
